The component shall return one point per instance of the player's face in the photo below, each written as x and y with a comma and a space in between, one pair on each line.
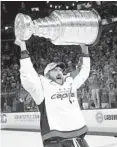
57, 75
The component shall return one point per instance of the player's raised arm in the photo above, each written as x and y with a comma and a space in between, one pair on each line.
82, 76
29, 77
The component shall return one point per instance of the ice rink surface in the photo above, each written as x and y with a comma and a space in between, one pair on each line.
33, 139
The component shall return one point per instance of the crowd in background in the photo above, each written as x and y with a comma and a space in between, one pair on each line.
99, 91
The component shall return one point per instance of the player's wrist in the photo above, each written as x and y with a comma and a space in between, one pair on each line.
84, 55
24, 54
85, 50
21, 44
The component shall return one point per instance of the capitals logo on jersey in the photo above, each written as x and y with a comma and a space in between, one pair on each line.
62, 96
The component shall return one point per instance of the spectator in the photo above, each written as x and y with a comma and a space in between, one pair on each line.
104, 96
22, 8
14, 105
95, 86
6, 108
112, 95
4, 9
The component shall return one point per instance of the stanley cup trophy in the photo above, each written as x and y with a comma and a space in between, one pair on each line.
62, 27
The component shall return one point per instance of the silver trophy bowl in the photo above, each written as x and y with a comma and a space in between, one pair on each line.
62, 27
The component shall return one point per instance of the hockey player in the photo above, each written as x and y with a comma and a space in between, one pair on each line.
56, 96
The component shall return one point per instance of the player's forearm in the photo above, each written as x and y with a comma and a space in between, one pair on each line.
29, 77
26, 68
31, 80
28, 74
85, 67
84, 72
85, 51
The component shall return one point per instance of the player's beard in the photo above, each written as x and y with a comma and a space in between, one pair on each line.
57, 80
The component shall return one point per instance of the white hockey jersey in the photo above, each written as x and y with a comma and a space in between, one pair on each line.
60, 112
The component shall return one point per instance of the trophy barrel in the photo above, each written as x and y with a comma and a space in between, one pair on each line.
77, 27
70, 27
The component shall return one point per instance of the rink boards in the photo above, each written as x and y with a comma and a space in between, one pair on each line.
99, 122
